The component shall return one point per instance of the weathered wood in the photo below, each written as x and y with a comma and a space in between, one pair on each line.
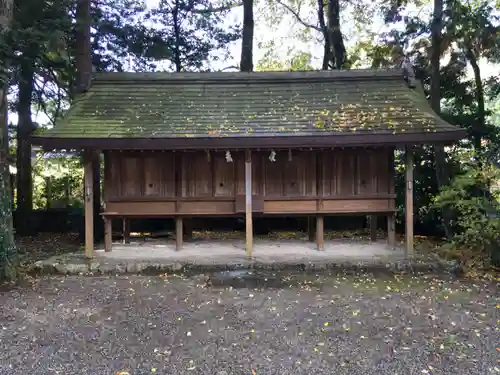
89, 204
373, 228
248, 199
153, 175
168, 184
409, 201
320, 232
311, 229
108, 233
391, 230
227, 207
126, 230
179, 234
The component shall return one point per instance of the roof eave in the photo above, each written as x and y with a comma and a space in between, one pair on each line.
316, 141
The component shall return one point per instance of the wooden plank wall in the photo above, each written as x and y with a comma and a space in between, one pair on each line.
349, 173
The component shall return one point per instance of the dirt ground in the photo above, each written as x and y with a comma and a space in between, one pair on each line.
243, 323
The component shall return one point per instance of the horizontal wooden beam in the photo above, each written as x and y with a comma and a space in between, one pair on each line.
266, 198
200, 143
228, 207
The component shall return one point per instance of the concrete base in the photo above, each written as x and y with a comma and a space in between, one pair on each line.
159, 256
205, 252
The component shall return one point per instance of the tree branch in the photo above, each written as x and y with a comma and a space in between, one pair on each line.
297, 16
218, 9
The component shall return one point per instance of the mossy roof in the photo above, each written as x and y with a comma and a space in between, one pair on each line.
152, 106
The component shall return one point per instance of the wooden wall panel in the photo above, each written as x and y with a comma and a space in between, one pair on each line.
196, 175
140, 208
383, 169
167, 164
132, 175
112, 176
366, 173
341, 174
328, 172
356, 205
294, 174
274, 174
311, 168
153, 176
346, 169
239, 165
289, 206
224, 175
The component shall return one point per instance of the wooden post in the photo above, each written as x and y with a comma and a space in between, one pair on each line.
320, 232
248, 203
89, 204
178, 234
126, 230
373, 228
409, 201
310, 229
108, 233
391, 230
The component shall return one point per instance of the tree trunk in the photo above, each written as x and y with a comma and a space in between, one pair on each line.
337, 48
83, 64
327, 51
24, 128
334, 52
246, 63
8, 255
177, 38
442, 175
480, 120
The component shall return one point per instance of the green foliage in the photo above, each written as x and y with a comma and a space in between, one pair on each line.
296, 61
57, 181
192, 32
473, 197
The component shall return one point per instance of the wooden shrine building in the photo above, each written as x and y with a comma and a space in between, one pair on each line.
316, 143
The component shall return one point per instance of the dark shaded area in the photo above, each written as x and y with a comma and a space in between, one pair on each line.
71, 220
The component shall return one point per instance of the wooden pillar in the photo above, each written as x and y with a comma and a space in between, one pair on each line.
391, 230
108, 233
126, 230
89, 204
178, 233
320, 232
373, 228
310, 228
391, 218
248, 203
409, 201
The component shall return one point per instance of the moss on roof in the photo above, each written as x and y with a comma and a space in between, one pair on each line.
173, 105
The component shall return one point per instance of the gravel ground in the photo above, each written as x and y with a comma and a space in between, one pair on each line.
287, 324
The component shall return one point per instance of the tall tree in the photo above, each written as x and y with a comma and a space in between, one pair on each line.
327, 23
442, 174
27, 14
7, 244
83, 63
334, 50
192, 32
246, 62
